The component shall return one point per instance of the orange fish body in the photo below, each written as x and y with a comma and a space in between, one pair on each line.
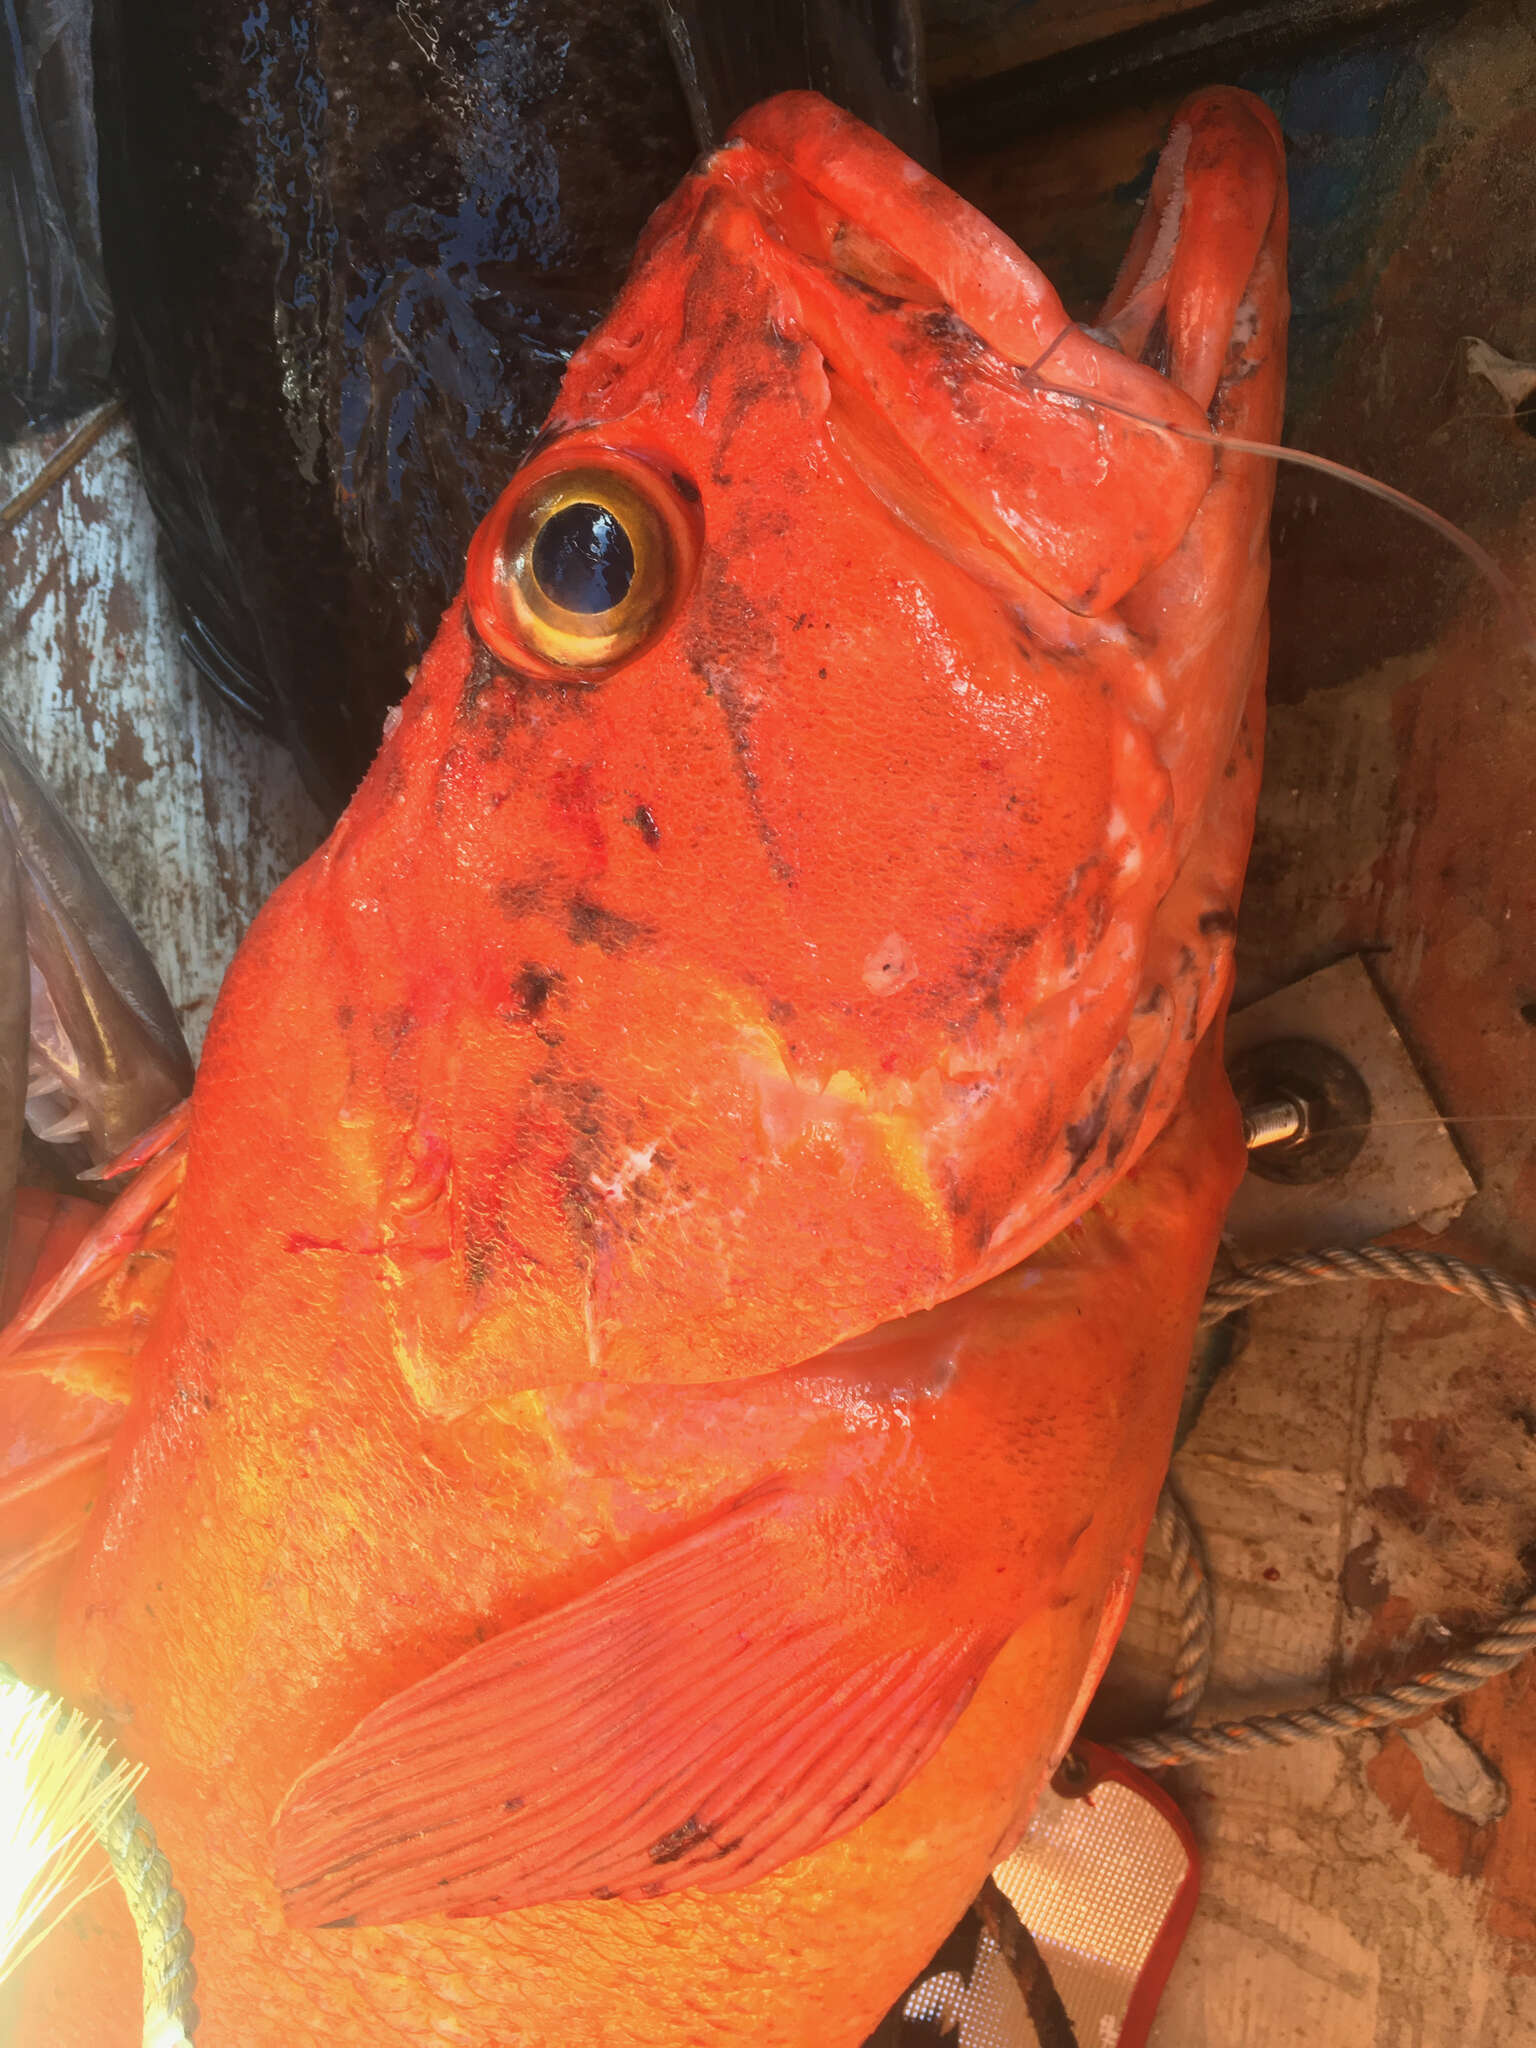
698, 1195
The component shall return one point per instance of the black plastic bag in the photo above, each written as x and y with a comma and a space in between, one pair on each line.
55, 313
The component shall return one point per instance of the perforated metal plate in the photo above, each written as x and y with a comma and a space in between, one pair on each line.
1105, 1882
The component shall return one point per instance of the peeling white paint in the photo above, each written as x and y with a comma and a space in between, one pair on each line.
193, 818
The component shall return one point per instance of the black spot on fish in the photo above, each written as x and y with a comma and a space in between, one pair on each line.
484, 675
679, 1840
644, 821
479, 1259
590, 924
520, 899
513, 1805
347, 1920
948, 329
1157, 352
685, 488
1212, 921
1136, 1095
729, 642
745, 401
871, 294
393, 1025
534, 986
344, 1015
1082, 1136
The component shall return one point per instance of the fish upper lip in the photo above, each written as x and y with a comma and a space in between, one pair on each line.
1077, 500
927, 231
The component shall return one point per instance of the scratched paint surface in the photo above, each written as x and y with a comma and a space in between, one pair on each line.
192, 818
1366, 1475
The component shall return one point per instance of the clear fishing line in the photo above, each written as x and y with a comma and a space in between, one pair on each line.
1323, 465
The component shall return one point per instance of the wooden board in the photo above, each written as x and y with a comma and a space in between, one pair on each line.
974, 38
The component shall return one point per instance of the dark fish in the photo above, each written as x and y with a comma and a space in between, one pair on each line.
55, 319
352, 248
865, 54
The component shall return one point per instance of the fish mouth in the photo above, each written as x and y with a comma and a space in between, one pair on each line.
1071, 457
935, 332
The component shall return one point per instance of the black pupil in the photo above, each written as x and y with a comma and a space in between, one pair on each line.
583, 560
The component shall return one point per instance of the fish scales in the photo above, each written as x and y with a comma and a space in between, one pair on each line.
697, 1197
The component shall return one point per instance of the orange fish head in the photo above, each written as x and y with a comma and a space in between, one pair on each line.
758, 923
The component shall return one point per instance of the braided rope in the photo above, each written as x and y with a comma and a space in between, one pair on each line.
138, 1864
1496, 1653
1373, 1262
165, 1943
1197, 1630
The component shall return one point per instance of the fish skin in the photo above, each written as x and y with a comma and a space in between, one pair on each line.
54, 1435
829, 1155
328, 1489
236, 1666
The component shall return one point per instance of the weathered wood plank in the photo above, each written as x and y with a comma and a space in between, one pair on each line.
193, 818
974, 38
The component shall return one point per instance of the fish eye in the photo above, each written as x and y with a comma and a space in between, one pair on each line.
583, 558
579, 564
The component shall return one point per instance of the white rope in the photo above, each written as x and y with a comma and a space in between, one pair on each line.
1496, 1653
165, 1943
1186, 1570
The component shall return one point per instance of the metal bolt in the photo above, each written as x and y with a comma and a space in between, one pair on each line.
1306, 1112
1283, 1121
1074, 1779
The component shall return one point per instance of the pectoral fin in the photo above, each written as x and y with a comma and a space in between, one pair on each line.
699, 1720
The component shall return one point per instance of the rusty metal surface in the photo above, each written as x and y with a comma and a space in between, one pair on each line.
192, 818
